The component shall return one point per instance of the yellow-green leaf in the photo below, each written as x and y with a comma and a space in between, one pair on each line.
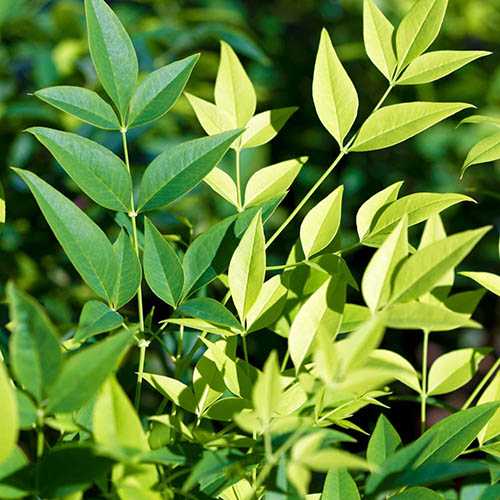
484, 151
9, 420
222, 184
213, 119
490, 281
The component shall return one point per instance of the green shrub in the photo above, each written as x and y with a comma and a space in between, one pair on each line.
226, 428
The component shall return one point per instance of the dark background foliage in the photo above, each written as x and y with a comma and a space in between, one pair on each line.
43, 43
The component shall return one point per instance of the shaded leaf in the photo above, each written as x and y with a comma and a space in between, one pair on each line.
96, 317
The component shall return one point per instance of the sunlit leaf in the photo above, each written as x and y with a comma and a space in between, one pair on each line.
484, 151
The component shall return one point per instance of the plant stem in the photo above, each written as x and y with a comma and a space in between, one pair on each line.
40, 441
383, 98
350, 249
285, 360
138, 386
425, 350
481, 384
238, 181
284, 266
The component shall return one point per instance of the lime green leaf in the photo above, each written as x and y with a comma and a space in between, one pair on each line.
484, 151
418, 29
34, 346
334, 94
129, 275
115, 422
490, 281
222, 184
454, 369
354, 316
98, 172
268, 389
383, 442
86, 246
392, 362
162, 268
418, 207
493, 120
247, 268
268, 305
424, 316
225, 408
84, 372
26, 410
9, 420
420, 272
82, 103
234, 92
213, 119
371, 207
173, 389
2, 207
434, 65
159, 91
210, 310
272, 181
339, 485
263, 127
491, 393
181, 168
377, 35
112, 53
96, 317
321, 224
202, 326
321, 311
376, 283
394, 124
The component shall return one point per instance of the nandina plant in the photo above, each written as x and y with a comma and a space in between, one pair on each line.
223, 427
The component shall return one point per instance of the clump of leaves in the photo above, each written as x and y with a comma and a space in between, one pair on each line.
226, 428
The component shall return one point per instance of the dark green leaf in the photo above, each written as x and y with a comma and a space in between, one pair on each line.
96, 317
383, 442
210, 310
339, 485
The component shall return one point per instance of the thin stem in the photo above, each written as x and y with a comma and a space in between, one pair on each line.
285, 266
40, 440
350, 249
238, 181
425, 350
481, 384
138, 386
383, 98
285, 360
179, 343
245, 353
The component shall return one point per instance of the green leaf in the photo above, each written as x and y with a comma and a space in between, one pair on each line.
2, 207
491, 393
173, 389
264, 126
84, 372
424, 316
272, 181
481, 119
383, 443
96, 317
162, 268
434, 65
353, 316
418, 207
322, 311
210, 310
129, 275
418, 274
394, 124
181, 168
268, 389
223, 185
213, 119
9, 420
34, 346
159, 91
225, 408
376, 283
484, 151
15, 480
371, 207
84, 104
234, 92
377, 35
454, 369
115, 421
339, 485
418, 29
335, 97
112, 53
26, 410
86, 246
399, 367
247, 268
490, 281
98, 172
321, 224
418, 493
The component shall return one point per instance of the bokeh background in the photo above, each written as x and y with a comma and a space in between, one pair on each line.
43, 43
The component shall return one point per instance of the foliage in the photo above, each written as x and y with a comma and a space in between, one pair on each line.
224, 427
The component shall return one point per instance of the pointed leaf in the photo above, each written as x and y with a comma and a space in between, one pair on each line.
339, 485
181, 168
268, 389
334, 94
483, 152
377, 35
394, 124
493, 120
112, 53
162, 268
173, 389
98, 172
213, 119
383, 443
84, 372
96, 317
491, 393
159, 91
210, 310
321, 224
84, 104
9, 420
86, 246
490, 281
222, 184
